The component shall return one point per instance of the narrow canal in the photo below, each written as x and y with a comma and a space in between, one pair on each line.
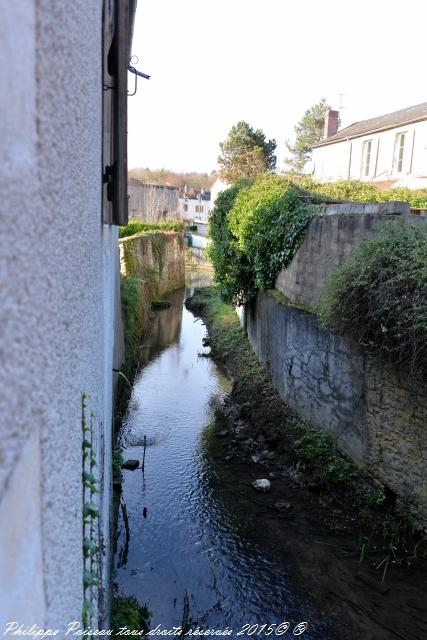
186, 547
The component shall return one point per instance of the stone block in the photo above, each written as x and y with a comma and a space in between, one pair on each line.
389, 208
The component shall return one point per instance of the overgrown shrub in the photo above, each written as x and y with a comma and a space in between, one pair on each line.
379, 296
230, 265
133, 311
256, 228
136, 226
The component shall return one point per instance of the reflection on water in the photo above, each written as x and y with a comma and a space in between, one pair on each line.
184, 542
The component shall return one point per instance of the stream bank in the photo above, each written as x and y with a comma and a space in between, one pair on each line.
363, 565
187, 544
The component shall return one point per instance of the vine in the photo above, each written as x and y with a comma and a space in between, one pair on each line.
90, 515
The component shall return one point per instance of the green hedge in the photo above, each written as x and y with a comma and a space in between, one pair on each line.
255, 229
135, 226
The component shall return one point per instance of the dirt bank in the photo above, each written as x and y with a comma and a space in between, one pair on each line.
362, 563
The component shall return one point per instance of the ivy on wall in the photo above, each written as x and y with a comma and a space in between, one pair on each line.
90, 515
256, 228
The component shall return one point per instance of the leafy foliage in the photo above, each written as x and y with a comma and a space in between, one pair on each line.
136, 226
357, 191
245, 153
229, 263
127, 612
379, 296
256, 229
308, 131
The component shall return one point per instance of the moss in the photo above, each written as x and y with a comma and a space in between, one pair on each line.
280, 298
130, 258
158, 246
127, 612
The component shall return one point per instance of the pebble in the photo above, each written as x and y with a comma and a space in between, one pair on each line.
283, 506
262, 484
269, 455
221, 434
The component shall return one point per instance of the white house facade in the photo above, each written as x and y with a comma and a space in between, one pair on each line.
194, 208
390, 150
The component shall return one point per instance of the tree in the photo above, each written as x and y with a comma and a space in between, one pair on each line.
245, 153
308, 131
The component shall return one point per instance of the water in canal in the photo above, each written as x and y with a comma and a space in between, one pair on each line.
183, 533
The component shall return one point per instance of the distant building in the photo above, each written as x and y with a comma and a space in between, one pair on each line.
196, 208
390, 150
152, 202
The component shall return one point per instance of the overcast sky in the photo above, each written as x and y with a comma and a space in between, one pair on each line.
266, 62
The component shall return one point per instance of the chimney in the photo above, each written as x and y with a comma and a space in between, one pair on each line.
332, 122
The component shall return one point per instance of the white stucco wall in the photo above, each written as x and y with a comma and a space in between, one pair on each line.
217, 188
343, 160
57, 270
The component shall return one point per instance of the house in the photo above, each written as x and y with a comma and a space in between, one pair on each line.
197, 208
152, 202
218, 187
63, 193
389, 150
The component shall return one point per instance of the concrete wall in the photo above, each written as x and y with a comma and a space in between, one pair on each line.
343, 160
319, 375
329, 240
375, 417
58, 280
152, 202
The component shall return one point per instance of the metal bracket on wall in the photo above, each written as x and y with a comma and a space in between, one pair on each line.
136, 73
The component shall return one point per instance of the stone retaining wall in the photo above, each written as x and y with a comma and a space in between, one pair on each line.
329, 240
376, 417
158, 257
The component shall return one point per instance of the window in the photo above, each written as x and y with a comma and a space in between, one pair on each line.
366, 158
399, 150
186, 207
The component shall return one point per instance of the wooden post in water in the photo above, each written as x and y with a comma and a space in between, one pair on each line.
143, 457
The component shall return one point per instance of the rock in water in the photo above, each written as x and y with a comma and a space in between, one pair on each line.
283, 506
262, 484
130, 464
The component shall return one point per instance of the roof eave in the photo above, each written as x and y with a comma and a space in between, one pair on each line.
325, 142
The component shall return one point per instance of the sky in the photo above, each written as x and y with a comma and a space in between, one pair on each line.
266, 62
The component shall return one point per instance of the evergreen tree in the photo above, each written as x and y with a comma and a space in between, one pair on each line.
245, 154
308, 131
